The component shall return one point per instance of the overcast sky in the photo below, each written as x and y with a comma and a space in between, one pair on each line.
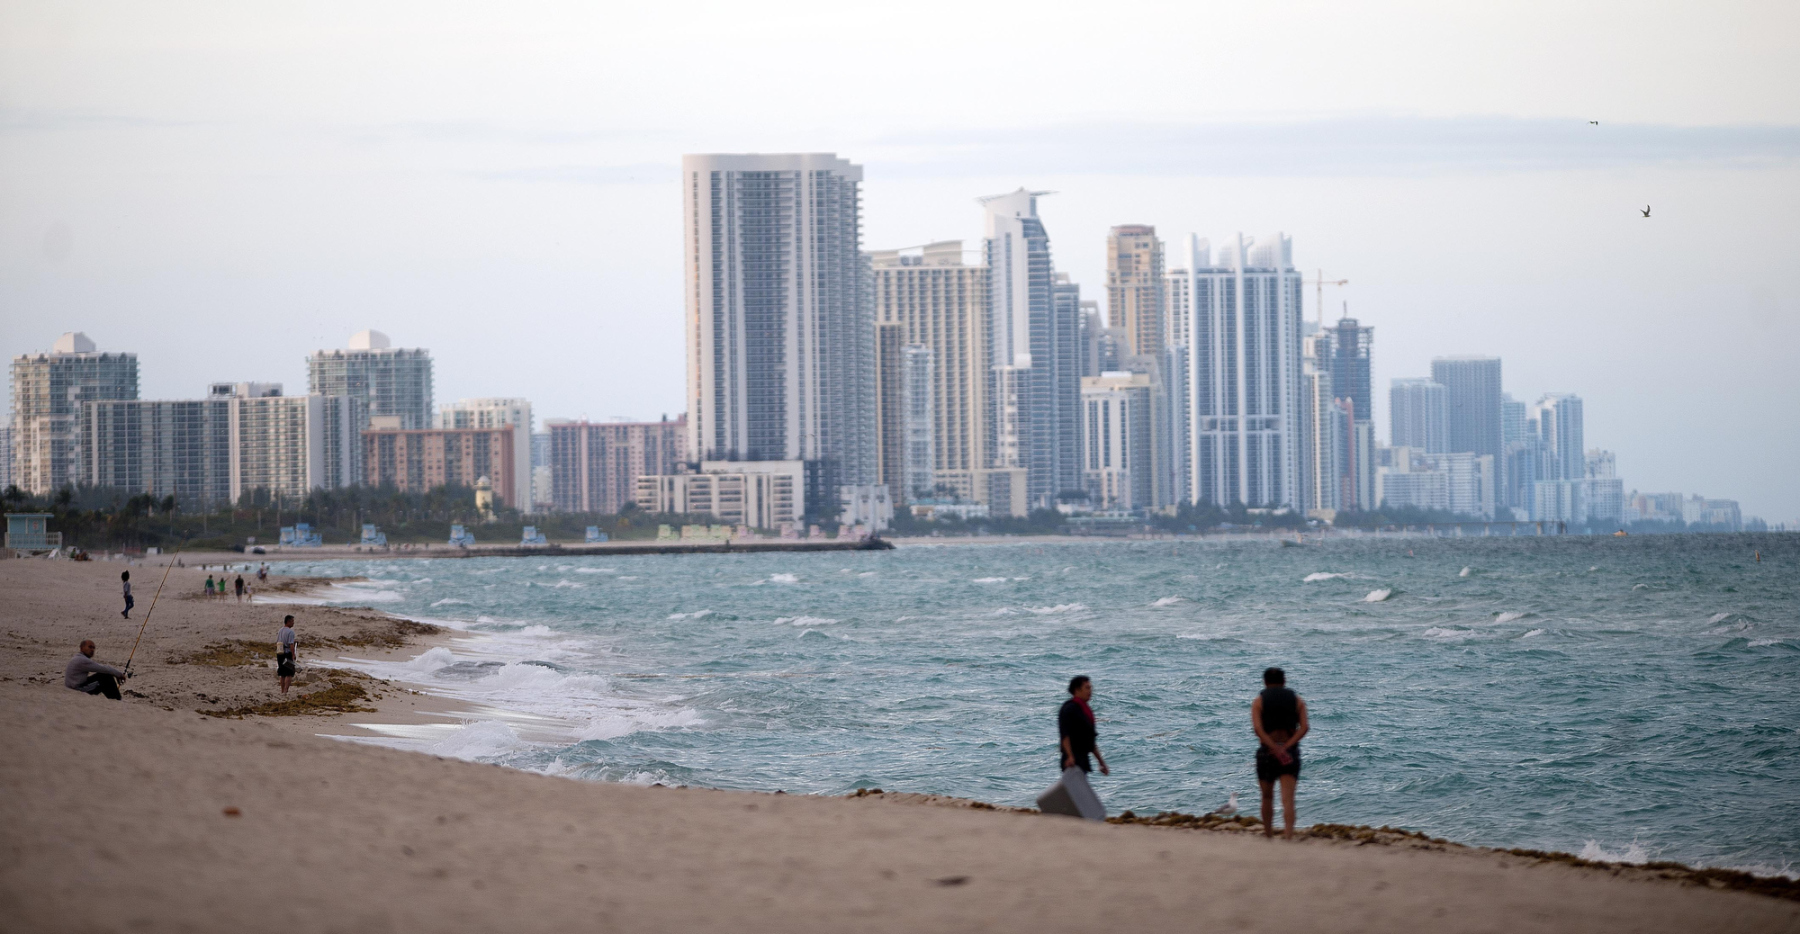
224, 187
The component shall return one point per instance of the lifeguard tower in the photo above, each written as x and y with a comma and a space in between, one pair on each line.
305, 537
373, 536
533, 537
29, 532
460, 537
595, 536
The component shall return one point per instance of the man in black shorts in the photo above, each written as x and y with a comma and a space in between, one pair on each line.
1279, 717
287, 651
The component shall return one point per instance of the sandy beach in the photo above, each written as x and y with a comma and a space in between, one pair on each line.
195, 806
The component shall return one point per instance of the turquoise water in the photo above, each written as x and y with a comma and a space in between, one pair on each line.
1632, 698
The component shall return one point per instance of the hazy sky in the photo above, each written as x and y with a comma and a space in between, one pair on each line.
224, 187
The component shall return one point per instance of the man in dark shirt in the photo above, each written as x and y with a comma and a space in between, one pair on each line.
1278, 716
1075, 722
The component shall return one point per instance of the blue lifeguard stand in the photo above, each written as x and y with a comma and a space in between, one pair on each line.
595, 536
373, 536
533, 537
30, 531
460, 537
305, 537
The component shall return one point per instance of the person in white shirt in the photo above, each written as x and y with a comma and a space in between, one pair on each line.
287, 646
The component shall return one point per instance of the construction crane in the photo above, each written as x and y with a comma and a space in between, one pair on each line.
1319, 300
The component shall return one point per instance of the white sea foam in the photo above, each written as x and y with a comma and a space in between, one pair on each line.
537, 629
1447, 635
804, 621
486, 619
1534, 632
1759, 643
1718, 618
430, 660
1059, 608
1509, 616
1167, 601
1632, 854
478, 740
697, 614
1640, 586
1317, 576
990, 580
565, 583
363, 594
866, 574
627, 721
1006, 611
1376, 596
596, 570
1463, 573
783, 579
451, 601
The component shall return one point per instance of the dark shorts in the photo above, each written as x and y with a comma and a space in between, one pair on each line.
284, 665
1269, 768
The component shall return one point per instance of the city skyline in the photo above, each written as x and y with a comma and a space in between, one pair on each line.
210, 226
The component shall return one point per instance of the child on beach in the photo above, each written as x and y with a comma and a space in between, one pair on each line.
287, 647
209, 585
125, 577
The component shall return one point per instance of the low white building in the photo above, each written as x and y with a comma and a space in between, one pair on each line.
761, 494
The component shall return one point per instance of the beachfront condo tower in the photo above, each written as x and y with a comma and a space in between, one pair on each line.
1034, 353
48, 391
1240, 383
1417, 415
392, 382
1135, 300
780, 337
594, 466
490, 414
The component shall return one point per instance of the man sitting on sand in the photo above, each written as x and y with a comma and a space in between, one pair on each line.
286, 650
1279, 717
89, 676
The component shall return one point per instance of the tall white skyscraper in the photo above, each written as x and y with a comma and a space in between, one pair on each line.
780, 320
1559, 427
1035, 348
1417, 416
1242, 381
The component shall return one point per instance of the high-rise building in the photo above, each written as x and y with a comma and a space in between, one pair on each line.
780, 321
1135, 299
1178, 308
1034, 387
594, 466
1119, 440
291, 445
1472, 402
1559, 420
420, 460
392, 382
6, 475
1326, 437
243, 438
1416, 415
940, 300
1241, 384
1350, 343
890, 407
48, 391
499, 413
918, 433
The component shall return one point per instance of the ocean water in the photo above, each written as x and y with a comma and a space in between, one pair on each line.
1624, 698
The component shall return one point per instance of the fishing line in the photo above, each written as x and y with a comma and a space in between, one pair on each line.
146, 624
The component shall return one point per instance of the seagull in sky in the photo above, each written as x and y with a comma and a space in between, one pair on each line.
1646, 210
1594, 122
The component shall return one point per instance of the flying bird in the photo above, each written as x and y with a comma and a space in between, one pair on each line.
1646, 210
1594, 122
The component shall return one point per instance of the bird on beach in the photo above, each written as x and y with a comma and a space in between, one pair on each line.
1228, 808
1646, 210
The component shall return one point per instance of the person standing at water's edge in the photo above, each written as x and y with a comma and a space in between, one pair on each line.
1075, 723
287, 648
1278, 716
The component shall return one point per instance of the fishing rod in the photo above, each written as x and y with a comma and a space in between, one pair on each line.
146, 624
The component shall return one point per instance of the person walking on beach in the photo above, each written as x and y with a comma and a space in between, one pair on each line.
1075, 724
240, 588
125, 578
90, 677
287, 647
209, 585
1278, 716
262, 573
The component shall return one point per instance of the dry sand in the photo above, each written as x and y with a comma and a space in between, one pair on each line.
148, 816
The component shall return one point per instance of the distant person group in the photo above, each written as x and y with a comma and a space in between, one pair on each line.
1277, 718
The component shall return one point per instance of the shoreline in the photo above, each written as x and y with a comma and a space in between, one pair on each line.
976, 841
